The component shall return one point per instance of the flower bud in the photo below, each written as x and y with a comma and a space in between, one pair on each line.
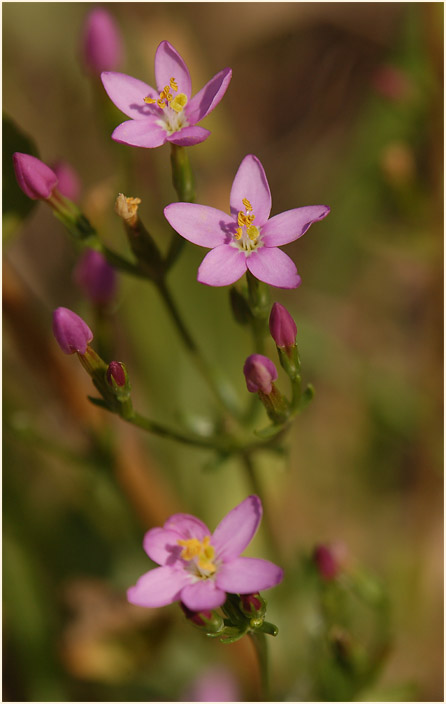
95, 277
251, 604
35, 178
71, 332
118, 380
330, 559
260, 372
101, 42
207, 620
69, 182
282, 326
116, 372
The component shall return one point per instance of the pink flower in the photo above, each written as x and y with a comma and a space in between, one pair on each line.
101, 41
71, 332
168, 114
246, 239
198, 568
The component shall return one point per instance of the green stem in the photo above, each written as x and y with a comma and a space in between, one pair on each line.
260, 646
253, 480
184, 184
222, 391
258, 297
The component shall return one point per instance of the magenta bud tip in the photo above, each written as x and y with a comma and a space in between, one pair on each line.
101, 42
282, 326
96, 277
259, 373
71, 332
35, 178
116, 372
330, 559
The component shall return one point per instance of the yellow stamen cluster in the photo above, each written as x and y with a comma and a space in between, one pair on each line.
166, 98
245, 220
201, 550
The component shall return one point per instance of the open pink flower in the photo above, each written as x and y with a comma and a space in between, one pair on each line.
246, 239
168, 114
198, 568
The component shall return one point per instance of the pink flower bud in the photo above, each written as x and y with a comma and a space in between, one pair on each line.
35, 178
330, 559
116, 372
251, 602
198, 617
70, 331
69, 182
101, 42
259, 373
95, 277
282, 326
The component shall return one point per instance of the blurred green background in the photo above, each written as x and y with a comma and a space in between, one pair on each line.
343, 105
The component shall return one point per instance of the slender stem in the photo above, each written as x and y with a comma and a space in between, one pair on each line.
219, 386
253, 479
261, 648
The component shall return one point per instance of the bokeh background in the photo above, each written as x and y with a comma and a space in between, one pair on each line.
342, 103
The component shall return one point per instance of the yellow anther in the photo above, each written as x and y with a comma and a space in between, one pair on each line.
247, 204
149, 100
238, 233
173, 84
250, 219
241, 219
201, 549
161, 103
192, 548
253, 232
179, 102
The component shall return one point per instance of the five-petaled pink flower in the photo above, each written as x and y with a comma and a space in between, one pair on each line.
198, 568
168, 114
246, 239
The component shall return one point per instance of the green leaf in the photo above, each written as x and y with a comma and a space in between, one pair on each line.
16, 205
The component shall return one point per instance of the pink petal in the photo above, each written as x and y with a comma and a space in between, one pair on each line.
246, 575
250, 182
288, 226
128, 94
158, 587
161, 545
140, 133
169, 64
189, 136
202, 595
236, 530
208, 97
222, 266
200, 224
187, 526
274, 267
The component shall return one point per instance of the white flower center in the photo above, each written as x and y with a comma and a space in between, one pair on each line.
173, 118
247, 236
200, 555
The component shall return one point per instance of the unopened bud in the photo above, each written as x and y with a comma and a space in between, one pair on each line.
260, 372
35, 178
330, 559
282, 326
69, 183
253, 606
96, 278
207, 620
116, 373
71, 332
101, 42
